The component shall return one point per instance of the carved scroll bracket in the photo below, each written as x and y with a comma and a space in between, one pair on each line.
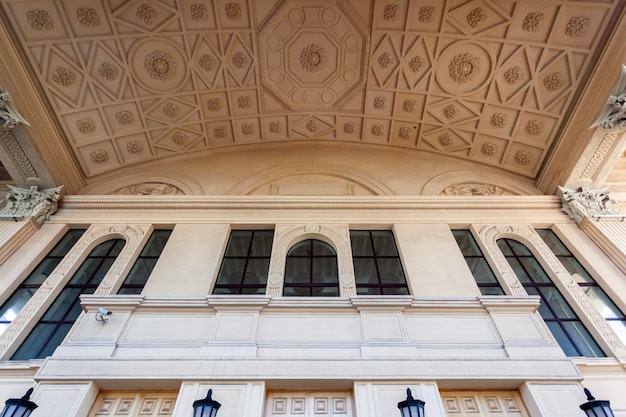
580, 204
9, 117
615, 113
22, 202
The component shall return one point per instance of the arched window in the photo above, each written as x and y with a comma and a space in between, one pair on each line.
311, 270
14, 304
566, 327
147, 259
56, 322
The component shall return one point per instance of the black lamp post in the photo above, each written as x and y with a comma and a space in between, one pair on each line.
596, 408
19, 407
204, 408
411, 407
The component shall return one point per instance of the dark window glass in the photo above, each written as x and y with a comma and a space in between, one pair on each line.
566, 327
31, 284
246, 263
484, 276
311, 270
141, 270
607, 308
377, 266
61, 315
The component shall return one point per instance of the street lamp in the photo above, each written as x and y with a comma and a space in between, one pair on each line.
596, 408
411, 407
204, 408
19, 407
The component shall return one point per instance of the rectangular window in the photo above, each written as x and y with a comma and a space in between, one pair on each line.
484, 276
246, 263
377, 266
31, 284
607, 308
141, 270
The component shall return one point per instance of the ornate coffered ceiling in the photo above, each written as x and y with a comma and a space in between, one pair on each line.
483, 80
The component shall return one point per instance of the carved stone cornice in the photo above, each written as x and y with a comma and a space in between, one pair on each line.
580, 204
22, 202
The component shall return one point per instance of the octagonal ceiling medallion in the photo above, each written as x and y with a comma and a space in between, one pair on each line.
311, 54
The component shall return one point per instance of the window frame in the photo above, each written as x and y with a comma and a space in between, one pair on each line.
311, 285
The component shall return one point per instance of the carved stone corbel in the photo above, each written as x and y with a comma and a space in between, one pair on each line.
9, 117
585, 203
615, 113
22, 202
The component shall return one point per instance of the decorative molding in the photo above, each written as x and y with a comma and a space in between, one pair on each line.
18, 155
286, 236
489, 236
605, 145
149, 188
9, 117
615, 113
21, 202
475, 189
580, 204
464, 67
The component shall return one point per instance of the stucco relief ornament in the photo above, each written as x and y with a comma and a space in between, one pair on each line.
207, 62
615, 113
416, 63
313, 58
450, 111
349, 127
523, 157
220, 131
577, 26
149, 188
63, 76
553, 81
513, 75
426, 14
108, 71
384, 60
312, 126
239, 60
125, 117
534, 127
88, 17
86, 125
247, 128
134, 147
159, 65
214, 104
179, 138
474, 189
409, 106
39, 20
404, 133
391, 12
22, 202
463, 67
499, 119
199, 12
476, 17
274, 127
489, 148
171, 110
233, 11
446, 139
533, 22
580, 204
146, 14
377, 129
99, 156
244, 102
9, 117
380, 103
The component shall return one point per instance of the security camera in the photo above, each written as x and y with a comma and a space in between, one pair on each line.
100, 315
104, 311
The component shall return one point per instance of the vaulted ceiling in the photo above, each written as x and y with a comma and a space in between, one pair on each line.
492, 81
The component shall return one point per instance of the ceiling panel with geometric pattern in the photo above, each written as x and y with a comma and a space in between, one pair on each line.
132, 81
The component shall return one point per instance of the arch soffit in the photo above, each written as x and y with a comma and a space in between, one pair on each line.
262, 178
